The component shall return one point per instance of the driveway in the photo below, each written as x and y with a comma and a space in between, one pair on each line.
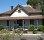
29, 37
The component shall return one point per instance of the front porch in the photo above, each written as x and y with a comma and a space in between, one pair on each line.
24, 23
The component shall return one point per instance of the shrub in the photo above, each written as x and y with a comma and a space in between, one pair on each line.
24, 31
40, 28
17, 31
43, 29
21, 29
8, 37
34, 31
31, 27
4, 31
5, 37
1, 27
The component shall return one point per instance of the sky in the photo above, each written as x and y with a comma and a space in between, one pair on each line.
5, 5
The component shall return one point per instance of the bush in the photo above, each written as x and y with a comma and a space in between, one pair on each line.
24, 31
40, 28
34, 31
4, 31
31, 27
1, 27
17, 31
7, 37
43, 29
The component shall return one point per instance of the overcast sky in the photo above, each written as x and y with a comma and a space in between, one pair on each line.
5, 4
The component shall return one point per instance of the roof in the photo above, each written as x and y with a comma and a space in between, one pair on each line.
19, 18
26, 9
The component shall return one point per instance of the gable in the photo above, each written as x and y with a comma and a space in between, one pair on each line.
25, 12
19, 13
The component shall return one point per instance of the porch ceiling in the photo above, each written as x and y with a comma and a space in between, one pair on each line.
18, 18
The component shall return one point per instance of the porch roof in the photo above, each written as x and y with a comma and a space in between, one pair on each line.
18, 18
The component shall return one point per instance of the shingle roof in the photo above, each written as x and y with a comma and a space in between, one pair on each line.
26, 9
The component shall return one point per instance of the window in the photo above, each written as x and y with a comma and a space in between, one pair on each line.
15, 22
7, 22
19, 11
36, 23
32, 22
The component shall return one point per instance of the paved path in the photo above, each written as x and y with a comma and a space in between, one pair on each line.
28, 37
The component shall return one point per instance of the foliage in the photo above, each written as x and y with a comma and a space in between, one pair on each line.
42, 8
4, 31
1, 27
34, 31
24, 31
43, 29
40, 27
7, 37
33, 2
17, 31
31, 27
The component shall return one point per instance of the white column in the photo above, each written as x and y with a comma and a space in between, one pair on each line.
9, 23
23, 23
36, 23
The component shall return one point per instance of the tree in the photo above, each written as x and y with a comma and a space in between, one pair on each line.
42, 8
35, 2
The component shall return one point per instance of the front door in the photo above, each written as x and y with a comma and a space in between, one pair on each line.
32, 22
19, 22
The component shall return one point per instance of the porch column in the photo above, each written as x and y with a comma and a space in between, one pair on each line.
23, 23
36, 23
9, 23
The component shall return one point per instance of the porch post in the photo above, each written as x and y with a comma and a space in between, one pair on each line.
9, 23
36, 23
23, 23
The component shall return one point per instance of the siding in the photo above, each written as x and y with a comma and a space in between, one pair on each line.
39, 22
27, 23
3, 23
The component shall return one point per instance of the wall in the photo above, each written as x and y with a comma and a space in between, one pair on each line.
39, 22
3, 23
16, 14
27, 23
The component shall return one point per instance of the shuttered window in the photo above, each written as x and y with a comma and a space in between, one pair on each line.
7, 22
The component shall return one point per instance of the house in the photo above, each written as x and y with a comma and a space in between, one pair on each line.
22, 16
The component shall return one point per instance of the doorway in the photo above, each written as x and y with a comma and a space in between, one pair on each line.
32, 21
19, 22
